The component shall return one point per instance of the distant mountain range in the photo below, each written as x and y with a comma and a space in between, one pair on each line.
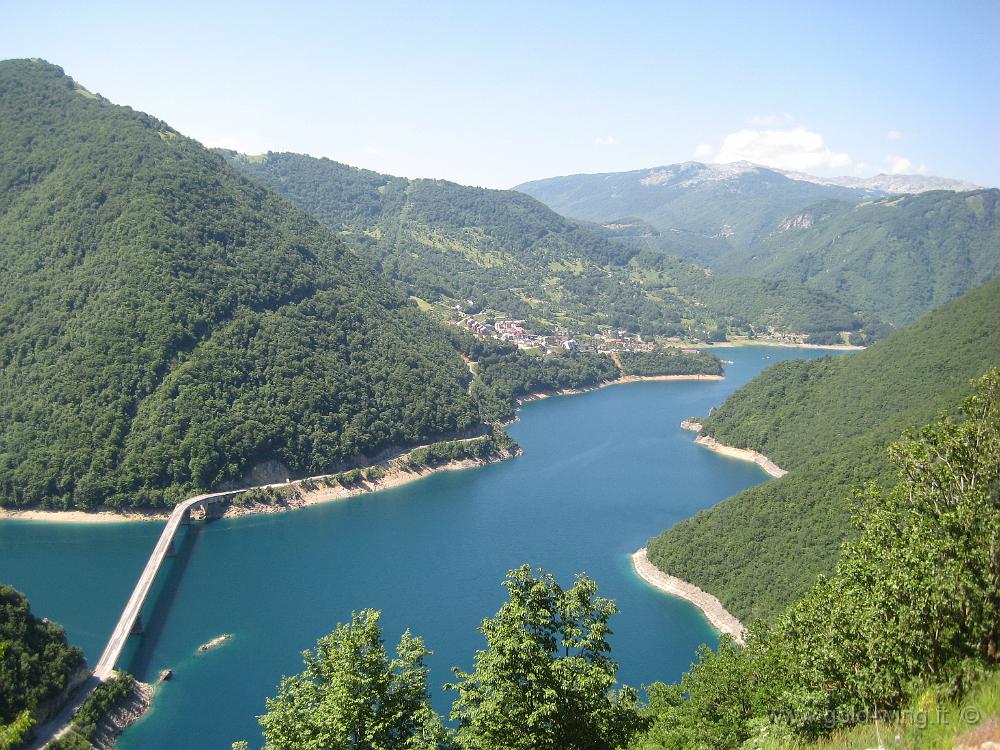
892, 184
890, 257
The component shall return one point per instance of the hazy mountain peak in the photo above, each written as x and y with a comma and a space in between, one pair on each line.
888, 183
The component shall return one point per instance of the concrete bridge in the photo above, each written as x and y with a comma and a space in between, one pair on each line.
130, 621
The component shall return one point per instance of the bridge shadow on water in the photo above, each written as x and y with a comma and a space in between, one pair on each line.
140, 649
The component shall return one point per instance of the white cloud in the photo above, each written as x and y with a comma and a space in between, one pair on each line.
897, 164
797, 149
894, 135
703, 150
372, 151
608, 140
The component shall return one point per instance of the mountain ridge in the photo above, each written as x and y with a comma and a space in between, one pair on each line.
510, 252
892, 184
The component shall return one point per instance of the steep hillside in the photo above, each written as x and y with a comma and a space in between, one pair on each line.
894, 258
719, 207
504, 250
167, 325
500, 249
828, 422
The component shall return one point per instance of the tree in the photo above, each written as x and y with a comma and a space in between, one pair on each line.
545, 679
12, 734
36, 662
352, 696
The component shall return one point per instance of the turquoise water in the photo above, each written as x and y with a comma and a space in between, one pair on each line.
601, 474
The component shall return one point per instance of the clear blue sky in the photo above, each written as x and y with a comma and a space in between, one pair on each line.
495, 94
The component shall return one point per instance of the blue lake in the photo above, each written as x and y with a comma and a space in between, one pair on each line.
602, 473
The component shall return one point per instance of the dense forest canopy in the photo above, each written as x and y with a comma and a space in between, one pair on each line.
895, 258
907, 620
166, 325
828, 422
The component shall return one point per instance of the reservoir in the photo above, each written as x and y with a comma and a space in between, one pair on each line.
602, 473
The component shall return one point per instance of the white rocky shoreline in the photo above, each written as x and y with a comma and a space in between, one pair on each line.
743, 454
721, 618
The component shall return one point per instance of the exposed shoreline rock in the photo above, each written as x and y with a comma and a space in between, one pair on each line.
214, 643
721, 618
743, 454
123, 715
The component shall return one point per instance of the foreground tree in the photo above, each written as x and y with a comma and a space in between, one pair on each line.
352, 696
545, 679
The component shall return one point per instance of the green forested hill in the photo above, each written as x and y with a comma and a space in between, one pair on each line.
499, 249
166, 325
505, 250
893, 258
828, 422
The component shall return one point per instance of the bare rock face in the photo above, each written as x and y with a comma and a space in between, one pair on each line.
271, 471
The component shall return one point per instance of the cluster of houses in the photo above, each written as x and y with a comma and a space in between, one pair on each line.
476, 326
507, 329
621, 341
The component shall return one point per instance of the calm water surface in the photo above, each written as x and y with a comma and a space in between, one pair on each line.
602, 473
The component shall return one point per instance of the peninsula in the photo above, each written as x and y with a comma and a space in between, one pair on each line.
720, 618
743, 454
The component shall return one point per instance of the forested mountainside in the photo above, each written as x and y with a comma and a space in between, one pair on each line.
828, 422
899, 634
894, 258
721, 206
506, 251
166, 324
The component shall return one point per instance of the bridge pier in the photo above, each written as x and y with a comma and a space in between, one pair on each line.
136, 626
185, 518
171, 551
213, 510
